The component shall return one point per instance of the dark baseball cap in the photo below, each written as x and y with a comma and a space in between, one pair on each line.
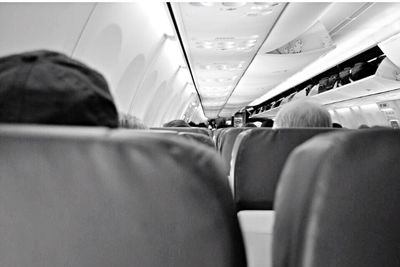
47, 87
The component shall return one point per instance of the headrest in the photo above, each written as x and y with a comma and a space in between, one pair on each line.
198, 138
258, 157
338, 202
228, 139
185, 129
45, 87
91, 199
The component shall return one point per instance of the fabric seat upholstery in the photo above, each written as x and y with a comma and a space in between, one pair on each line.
198, 138
347, 205
84, 197
257, 160
227, 142
185, 129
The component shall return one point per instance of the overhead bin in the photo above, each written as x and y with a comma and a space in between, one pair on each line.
391, 49
307, 14
385, 79
269, 69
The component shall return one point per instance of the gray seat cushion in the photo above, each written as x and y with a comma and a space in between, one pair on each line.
258, 158
85, 197
338, 202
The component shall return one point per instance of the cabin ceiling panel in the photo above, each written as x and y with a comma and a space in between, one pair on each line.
221, 39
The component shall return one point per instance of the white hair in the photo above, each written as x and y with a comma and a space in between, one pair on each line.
302, 114
129, 121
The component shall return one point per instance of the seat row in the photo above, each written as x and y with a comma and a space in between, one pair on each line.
254, 159
338, 202
316, 197
84, 196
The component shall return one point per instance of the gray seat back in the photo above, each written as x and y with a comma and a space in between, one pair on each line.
85, 197
338, 202
198, 138
257, 160
228, 139
185, 129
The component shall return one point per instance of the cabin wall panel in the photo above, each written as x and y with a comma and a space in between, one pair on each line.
355, 116
139, 59
146, 95
31, 26
175, 103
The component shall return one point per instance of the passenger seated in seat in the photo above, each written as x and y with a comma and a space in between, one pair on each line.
336, 125
302, 114
250, 124
131, 122
46, 87
267, 123
176, 123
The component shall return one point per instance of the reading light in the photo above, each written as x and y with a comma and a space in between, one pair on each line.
234, 4
202, 4
261, 7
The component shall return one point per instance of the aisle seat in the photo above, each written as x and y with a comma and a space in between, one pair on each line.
198, 138
185, 129
94, 197
226, 145
258, 157
216, 136
338, 202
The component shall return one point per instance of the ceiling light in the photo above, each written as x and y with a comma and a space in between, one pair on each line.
204, 67
221, 67
233, 4
205, 80
252, 41
266, 12
223, 80
202, 4
205, 46
261, 7
259, 13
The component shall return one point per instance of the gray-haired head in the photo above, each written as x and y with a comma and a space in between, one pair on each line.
302, 114
131, 122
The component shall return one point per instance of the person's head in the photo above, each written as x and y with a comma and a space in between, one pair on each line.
46, 87
250, 124
267, 123
220, 122
302, 114
363, 126
131, 122
336, 125
176, 123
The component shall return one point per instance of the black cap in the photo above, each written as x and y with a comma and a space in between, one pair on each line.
47, 87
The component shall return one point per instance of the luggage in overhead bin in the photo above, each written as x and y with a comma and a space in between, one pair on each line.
323, 84
290, 97
308, 88
277, 103
344, 76
332, 81
284, 101
361, 70
314, 90
300, 94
